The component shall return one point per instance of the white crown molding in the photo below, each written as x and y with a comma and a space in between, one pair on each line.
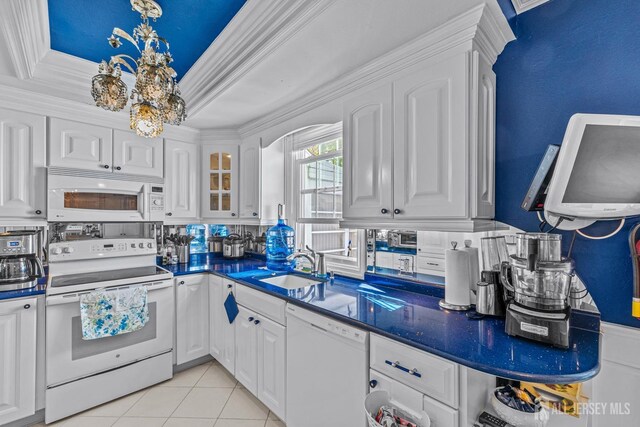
485, 26
524, 5
17, 98
259, 28
25, 27
217, 135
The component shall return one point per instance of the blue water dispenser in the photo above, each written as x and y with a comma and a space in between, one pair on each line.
281, 242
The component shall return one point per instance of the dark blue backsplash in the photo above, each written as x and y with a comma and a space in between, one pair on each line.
570, 56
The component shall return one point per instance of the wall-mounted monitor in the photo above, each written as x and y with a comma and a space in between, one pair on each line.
597, 175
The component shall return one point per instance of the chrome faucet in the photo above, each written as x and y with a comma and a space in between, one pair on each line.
315, 258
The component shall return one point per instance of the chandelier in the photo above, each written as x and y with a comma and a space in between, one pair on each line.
155, 99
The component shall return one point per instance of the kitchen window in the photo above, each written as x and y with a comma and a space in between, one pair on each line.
316, 173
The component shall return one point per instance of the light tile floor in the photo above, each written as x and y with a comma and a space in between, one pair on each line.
204, 396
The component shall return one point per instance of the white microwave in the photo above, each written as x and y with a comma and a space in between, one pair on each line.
99, 197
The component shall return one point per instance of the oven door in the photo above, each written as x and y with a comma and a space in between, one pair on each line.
69, 357
76, 198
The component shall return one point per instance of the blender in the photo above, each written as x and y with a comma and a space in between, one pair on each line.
539, 280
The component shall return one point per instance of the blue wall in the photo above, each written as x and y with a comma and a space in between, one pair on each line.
570, 56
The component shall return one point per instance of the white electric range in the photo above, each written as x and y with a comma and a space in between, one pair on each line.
82, 373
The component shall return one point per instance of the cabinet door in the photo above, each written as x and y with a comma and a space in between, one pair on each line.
368, 153
247, 349
220, 181
192, 318
272, 365
80, 145
181, 181
17, 359
250, 180
222, 339
136, 155
430, 142
22, 165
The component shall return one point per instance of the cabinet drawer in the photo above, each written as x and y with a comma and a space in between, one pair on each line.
262, 303
191, 279
440, 415
429, 374
430, 263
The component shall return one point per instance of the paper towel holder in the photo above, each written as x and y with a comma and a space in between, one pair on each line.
453, 307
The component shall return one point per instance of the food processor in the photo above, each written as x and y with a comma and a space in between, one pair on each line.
539, 279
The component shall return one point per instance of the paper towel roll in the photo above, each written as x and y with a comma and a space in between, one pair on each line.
456, 276
474, 268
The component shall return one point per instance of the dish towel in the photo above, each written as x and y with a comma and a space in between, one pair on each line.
105, 313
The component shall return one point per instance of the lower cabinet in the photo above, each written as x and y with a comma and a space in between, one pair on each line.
222, 334
260, 358
17, 359
192, 317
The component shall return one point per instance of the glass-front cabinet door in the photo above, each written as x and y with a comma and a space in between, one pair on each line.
220, 183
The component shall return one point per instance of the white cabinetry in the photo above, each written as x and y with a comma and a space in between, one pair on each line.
17, 359
84, 146
261, 181
250, 162
220, 176
368, 155
181, 180
22, 166
261, 347
420, 149
136, 155
222, 338
192, 317
80, 145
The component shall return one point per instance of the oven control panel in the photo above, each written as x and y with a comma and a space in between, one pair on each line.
101, 248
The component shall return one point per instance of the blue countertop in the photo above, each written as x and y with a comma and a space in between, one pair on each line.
23, 293
409, 313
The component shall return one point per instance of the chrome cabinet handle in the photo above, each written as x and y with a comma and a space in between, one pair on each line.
373, 383
397, 211
384, 211
397, 365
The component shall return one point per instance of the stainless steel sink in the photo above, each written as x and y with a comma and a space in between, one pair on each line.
291, 281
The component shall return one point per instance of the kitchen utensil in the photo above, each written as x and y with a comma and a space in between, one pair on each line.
540, 281
20, 267
489, 299
184, 252
233, 246
494, 252
474, 267
215, 244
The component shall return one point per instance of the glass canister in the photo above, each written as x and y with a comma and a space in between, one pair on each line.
281, 242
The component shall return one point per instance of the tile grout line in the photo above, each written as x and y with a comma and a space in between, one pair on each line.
189, 392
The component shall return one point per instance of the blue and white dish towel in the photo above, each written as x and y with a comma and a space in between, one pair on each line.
105, 313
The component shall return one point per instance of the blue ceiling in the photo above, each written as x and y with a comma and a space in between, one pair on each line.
81, 27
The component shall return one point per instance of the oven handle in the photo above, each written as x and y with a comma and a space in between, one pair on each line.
69, 298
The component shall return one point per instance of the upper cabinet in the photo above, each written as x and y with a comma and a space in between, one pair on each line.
181, 181
80, 145
419, 151
22, 166
368, 155
84, 146
261, 181
220, 176
136, 155
250, 180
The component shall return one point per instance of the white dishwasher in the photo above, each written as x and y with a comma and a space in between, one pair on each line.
327, 371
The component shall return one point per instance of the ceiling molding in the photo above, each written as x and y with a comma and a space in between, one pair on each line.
36, 102
25, 27
259, 28
217, 135
523, 5
484, 25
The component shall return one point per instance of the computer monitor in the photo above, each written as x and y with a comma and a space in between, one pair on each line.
597, 175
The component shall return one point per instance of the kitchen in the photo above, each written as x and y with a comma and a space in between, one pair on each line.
325, 223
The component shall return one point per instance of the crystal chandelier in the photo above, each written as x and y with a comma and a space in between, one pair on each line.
155, 100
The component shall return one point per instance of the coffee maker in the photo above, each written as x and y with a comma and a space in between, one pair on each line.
20, 267
539, 280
